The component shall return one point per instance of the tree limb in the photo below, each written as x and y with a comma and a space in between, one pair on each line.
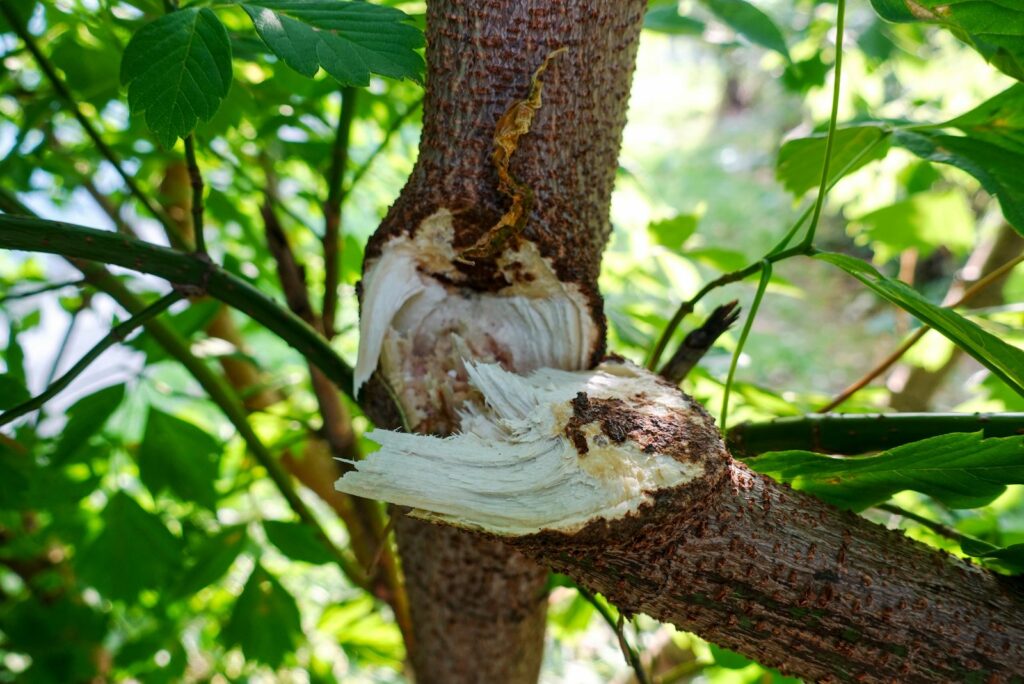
647, 508
858, 433
199, 276
332, 210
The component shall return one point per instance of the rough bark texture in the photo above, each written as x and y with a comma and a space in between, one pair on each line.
478, 606
793, 583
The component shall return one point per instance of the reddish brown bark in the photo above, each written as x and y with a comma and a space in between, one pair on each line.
793, 583
478, 606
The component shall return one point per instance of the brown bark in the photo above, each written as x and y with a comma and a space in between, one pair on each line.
795, 584
478, 606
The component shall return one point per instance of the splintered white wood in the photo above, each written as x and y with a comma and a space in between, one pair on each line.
532, 323
512, 470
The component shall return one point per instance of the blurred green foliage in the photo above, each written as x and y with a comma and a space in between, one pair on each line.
139, 539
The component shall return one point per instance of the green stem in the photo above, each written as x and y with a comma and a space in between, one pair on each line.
196, 179
631, 654
9, 296
194, 273
833, 118
117, 334
332, 210
766, 276
858, 433
7, 10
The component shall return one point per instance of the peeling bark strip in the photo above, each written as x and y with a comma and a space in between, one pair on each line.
527, 299
618, 480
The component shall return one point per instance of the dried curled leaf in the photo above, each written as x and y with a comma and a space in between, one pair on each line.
512, 125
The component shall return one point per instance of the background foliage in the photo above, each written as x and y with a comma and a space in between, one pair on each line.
142, 536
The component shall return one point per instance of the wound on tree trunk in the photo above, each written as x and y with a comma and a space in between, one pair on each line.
620, 481
494, 257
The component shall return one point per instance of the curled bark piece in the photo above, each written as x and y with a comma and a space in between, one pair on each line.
621, 482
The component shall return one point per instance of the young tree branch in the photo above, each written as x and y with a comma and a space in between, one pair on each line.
196, 179
858, 433
117, 334
196, 274
697, 343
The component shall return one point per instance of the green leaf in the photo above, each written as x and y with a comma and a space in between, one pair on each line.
751, 23
672, 233
177, 455
349, 40
668, 20
297, 541
1004, 360
265, 622
996, 167
1011, 557
14, 355
12, 391
800, 160
213, 559
178, 70
962, 470
999, 120
995, 28
133, 552
14, 482
85, 418
363, 633
923, 221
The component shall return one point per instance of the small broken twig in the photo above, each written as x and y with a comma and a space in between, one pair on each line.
699, 341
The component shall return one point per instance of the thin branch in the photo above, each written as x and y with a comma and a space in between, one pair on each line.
858, 433
69, 102
833, 118
117, 334
699, 341
392, 129
50, 287
913, 339
332, 210
631, 655
936, 527
195, 177
766, 276
195, 274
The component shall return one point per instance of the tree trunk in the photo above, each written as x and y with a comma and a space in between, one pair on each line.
620, 481
476, 260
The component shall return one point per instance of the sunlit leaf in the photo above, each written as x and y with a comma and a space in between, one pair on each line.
213, 558
178, 70
668, 20
297, 541
177, 455
265, 622
85, 418
135, 551
1011, 557
995, 28
349, 40
673, 232
962, 470
1004, 360
996, 167
12, 391
924, 221
800, 160
751, 23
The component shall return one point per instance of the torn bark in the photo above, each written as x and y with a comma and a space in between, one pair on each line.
528, 300
642, 503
